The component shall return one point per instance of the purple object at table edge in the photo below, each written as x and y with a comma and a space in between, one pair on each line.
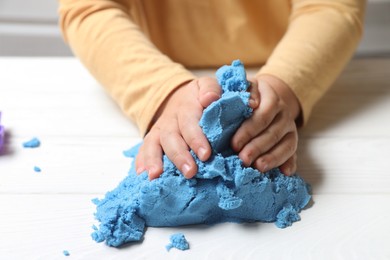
2, 134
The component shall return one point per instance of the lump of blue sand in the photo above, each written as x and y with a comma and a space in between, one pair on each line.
66, 253
178, 241
2, 134
221, 119
37, 169
33, 143
223, 190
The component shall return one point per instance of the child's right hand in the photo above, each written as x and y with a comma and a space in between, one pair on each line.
176, 129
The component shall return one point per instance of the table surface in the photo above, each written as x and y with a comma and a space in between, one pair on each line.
344, 154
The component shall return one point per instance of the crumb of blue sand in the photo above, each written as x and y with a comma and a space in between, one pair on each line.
178, 241
33, 143
223, 190
127, 153
37, 169
66, 253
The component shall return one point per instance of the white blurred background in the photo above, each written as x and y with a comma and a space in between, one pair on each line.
30, 28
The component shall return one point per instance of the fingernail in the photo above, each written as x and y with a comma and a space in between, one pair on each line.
247, 162
289, 171
152, 170
185, 169
140, 170
252, 103
265, 168
202, 153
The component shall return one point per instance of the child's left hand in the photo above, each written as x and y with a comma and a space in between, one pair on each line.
269, 138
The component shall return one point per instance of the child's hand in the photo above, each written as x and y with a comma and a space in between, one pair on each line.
176, 129
269, 138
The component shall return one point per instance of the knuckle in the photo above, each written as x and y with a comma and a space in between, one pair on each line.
268, 108
262, 120
273, 100
245, 133
275, 136
291, 148
175, 156
194, 142
271, 136
184, 120
166, 134
292, 144
265, 117
248, 130
271, 159
149, 158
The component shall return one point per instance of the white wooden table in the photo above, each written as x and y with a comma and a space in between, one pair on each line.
344, 153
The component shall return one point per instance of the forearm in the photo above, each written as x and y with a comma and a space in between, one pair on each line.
321, 38
120, 57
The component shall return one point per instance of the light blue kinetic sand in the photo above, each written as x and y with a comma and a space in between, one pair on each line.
33, 143
178, 241
223, 190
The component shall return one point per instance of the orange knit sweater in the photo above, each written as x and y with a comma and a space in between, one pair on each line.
142, 50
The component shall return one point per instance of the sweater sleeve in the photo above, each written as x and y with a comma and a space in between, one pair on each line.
113, 48
321, 38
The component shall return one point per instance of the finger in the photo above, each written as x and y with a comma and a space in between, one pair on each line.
260, 119
193, 134
254, 99
278, 154
209, 90
139, 161
265, 140
290, 166
177, 151
151, 155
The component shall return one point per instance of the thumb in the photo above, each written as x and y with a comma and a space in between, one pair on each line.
209, 91
254, 100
